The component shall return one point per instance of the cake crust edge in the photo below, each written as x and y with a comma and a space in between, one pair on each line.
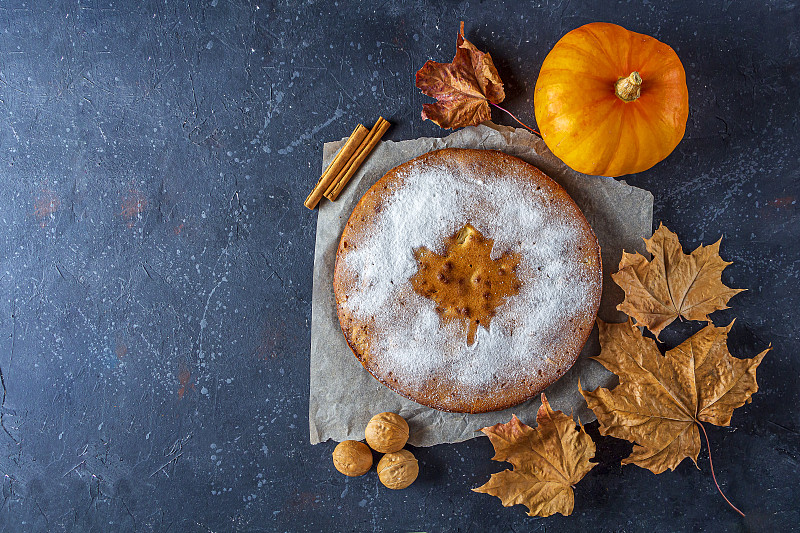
356, 332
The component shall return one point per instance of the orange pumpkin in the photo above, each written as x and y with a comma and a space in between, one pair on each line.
609, 101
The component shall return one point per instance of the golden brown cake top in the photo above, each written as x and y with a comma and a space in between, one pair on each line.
418, 313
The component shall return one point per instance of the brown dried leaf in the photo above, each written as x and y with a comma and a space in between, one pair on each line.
672, 284
547, 461
462, 88
660, 400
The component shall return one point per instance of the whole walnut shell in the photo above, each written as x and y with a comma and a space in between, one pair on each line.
398, 470
352, 458
386, 432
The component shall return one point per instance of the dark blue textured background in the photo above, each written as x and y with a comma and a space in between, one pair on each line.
155, 257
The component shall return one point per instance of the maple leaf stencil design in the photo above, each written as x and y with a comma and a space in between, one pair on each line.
465, 282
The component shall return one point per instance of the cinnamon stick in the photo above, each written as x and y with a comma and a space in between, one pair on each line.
335, 167
367, 145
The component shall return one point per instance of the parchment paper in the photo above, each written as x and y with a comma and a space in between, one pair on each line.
344, 396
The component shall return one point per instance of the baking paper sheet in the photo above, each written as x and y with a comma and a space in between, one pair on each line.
344, 396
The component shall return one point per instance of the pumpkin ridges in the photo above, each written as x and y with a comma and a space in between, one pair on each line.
665, 80
606, 47
628, 153
586, 75
614, 146
591, 63
626, 45
644, 153
665, 60
567, 114
599, 149
622, 47
641, 53
584, 63
576, 108
650, 122
621, 151
636, 151
568, 143
630, 58
599, 145
572, 109
559, 95
644, 156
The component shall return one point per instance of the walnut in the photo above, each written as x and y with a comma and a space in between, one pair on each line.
352, 458
386, 432
398, 470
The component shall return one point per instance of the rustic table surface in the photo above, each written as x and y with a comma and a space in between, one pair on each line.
155, 275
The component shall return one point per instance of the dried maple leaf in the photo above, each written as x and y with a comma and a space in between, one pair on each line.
672, 284
661, 401
463, 88
548, 461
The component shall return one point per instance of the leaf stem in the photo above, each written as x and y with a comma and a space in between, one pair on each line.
515, 118
710, 462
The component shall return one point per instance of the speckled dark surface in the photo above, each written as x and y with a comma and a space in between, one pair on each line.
155, 258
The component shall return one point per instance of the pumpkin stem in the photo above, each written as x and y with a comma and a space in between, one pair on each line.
630, 88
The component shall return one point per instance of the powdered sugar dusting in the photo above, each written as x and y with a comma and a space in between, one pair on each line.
426, 205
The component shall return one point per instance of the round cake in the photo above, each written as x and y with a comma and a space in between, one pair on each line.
467, 280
